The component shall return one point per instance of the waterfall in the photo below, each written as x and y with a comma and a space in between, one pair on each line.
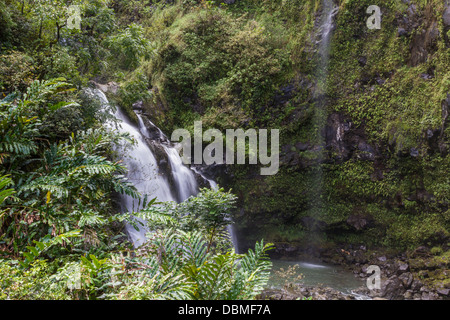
184, 178
324, 34
325, 30
145, 168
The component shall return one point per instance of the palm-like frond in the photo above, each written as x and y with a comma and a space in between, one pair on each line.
5, 193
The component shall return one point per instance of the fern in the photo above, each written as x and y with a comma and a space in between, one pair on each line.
253, 274
44, 245
213, 278
5, 193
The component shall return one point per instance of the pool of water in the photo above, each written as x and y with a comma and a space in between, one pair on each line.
313, 274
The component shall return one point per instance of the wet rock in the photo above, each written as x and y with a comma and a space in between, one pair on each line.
407, 279
443, 292
409, 295
446, 22
358, 222
429, 296
414, 152
424, 30
111, 87
390, 269
446, 16
424, 289
320, 293
392, 289
401, 32
426, 76
416, 285
402, 267
445, 109
138, 106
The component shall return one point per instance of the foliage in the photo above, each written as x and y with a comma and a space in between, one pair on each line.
129, 46
61, 184
16, 71
177, 265
210, 59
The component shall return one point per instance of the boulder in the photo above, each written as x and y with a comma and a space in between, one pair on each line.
401, 32
402, 267
430, 296
416, 285
421, 251
393, 289
446, 16
443, 292
407, 279
358, 222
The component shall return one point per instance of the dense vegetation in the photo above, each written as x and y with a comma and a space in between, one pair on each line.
246, 64
61, 232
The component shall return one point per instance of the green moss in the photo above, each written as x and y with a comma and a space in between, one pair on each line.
225, 65
406, 105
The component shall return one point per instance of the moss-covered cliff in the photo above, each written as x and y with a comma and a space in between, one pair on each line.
383, 176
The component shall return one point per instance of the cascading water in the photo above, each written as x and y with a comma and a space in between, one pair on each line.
145, 170
324, 34
184, 178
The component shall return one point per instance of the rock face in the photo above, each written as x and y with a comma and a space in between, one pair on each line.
446, 21
424, 42
109, 87
342, 142
359, 222
392, 289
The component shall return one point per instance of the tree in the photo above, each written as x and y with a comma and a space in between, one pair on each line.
129, 46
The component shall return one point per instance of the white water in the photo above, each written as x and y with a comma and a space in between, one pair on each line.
144, 171
325, 30
183, 176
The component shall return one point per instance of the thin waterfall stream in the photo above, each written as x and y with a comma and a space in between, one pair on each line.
324, 35
319, 274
